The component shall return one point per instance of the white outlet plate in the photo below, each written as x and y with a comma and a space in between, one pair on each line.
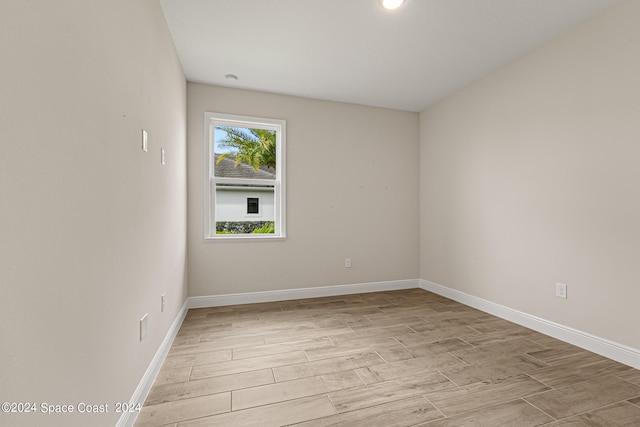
162, 299
347, 262
561, 290
145, 141
163, 159
144, 326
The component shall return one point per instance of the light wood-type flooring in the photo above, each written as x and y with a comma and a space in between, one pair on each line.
399, 358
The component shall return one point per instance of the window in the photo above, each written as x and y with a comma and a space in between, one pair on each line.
252, 205
245, 177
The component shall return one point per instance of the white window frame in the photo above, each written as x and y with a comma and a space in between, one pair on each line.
211, 120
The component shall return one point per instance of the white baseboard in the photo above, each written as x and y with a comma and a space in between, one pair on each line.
140, 394
301, 293
612, 350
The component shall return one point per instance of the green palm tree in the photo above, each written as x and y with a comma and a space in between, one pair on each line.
255, 147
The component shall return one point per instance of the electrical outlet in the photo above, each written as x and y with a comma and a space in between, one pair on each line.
561, 290
162, 297
145, 141
347, 262
144, 326
163, 158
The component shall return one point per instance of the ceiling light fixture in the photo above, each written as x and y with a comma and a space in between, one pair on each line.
231, 77
391, 4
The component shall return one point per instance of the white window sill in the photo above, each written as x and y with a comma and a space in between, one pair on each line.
243, 238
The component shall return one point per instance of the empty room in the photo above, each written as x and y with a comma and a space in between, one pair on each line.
317, 213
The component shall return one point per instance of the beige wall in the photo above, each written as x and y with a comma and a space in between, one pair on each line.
92, 230
352, 191
531, 177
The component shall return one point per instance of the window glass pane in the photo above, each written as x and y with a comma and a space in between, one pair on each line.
232, 209
244, 153
246, 191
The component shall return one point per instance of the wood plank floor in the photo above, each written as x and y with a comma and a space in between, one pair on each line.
401, 358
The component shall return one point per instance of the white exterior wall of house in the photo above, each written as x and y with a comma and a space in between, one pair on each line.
231, 204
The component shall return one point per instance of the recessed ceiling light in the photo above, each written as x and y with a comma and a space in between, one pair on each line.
392, 4
231, 77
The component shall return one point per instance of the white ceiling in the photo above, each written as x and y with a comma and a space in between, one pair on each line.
355, 51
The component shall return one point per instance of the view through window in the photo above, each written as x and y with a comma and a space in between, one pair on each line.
246, 167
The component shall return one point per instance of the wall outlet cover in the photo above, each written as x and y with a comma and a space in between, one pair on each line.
144, 326
561, 290
145, 141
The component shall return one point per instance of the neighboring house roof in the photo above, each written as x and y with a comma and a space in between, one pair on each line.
226, 168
